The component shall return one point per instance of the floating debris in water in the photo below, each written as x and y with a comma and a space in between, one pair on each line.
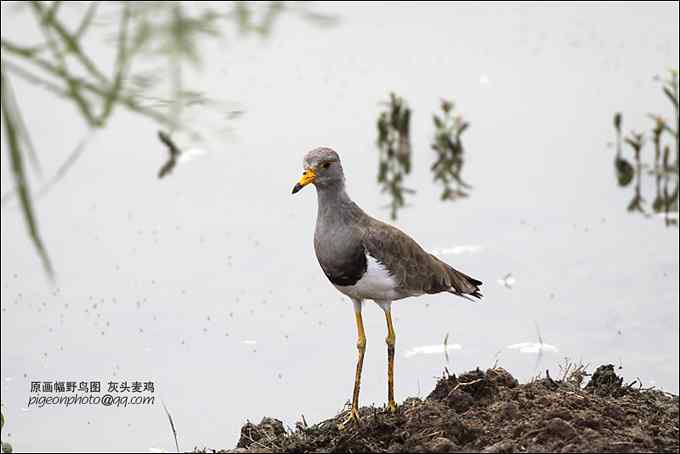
533, 347
431, 350
671, 216
507, 281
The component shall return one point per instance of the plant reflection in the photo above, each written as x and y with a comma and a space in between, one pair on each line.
448, 145
394, 145
663, 171
162, 39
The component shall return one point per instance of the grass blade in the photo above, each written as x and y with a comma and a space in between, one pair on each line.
13, 131
59, 174
67, 164
121, 66
172, 425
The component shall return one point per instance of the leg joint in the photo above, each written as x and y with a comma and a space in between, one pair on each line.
361, 343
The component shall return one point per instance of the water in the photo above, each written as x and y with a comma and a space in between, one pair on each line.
206, 283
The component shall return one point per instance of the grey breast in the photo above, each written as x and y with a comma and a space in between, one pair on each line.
338, 243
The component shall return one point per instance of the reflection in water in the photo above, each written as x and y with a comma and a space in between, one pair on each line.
431, 350
537, 348
663, 170
533, 347
173, 153
624, 170
636, 141
259, 17
448, 145
176, 155
162, 39
394, 144
507, 281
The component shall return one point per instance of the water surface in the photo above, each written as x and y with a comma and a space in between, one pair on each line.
206, 282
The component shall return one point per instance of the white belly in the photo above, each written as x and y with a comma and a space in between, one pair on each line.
376, 284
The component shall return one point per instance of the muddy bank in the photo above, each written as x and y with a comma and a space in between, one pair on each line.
491, 412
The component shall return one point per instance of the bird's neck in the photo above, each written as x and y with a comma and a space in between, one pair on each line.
332, 201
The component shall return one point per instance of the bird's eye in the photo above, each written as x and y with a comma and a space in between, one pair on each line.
326, 165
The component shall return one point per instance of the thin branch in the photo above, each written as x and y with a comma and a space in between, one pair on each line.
67, 164
86, 21
463, 384
61, 172
121, 65
71, 43
74, 89
36, 80
127, 101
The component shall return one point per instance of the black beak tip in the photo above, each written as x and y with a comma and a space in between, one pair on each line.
296, 188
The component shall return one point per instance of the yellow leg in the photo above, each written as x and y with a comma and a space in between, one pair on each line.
390, 340
361, 347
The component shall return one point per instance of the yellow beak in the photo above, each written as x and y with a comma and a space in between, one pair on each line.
308, 176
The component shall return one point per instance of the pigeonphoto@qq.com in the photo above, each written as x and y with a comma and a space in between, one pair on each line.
283, 226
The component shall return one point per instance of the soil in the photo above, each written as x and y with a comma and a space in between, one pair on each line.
491, 412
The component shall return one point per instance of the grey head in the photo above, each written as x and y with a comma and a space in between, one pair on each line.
323, 169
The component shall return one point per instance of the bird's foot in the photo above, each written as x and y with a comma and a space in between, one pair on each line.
353, 417
392, 407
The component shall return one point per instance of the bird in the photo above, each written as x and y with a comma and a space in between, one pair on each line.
367, 259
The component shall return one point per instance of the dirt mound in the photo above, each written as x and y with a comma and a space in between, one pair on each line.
491, 412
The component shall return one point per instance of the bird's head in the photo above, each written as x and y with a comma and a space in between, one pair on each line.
322, 168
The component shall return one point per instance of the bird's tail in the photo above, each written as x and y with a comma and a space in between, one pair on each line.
464, 285
453, 281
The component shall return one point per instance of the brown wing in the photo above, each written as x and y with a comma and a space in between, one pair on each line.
415, 270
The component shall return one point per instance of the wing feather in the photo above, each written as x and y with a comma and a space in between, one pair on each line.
415, 270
